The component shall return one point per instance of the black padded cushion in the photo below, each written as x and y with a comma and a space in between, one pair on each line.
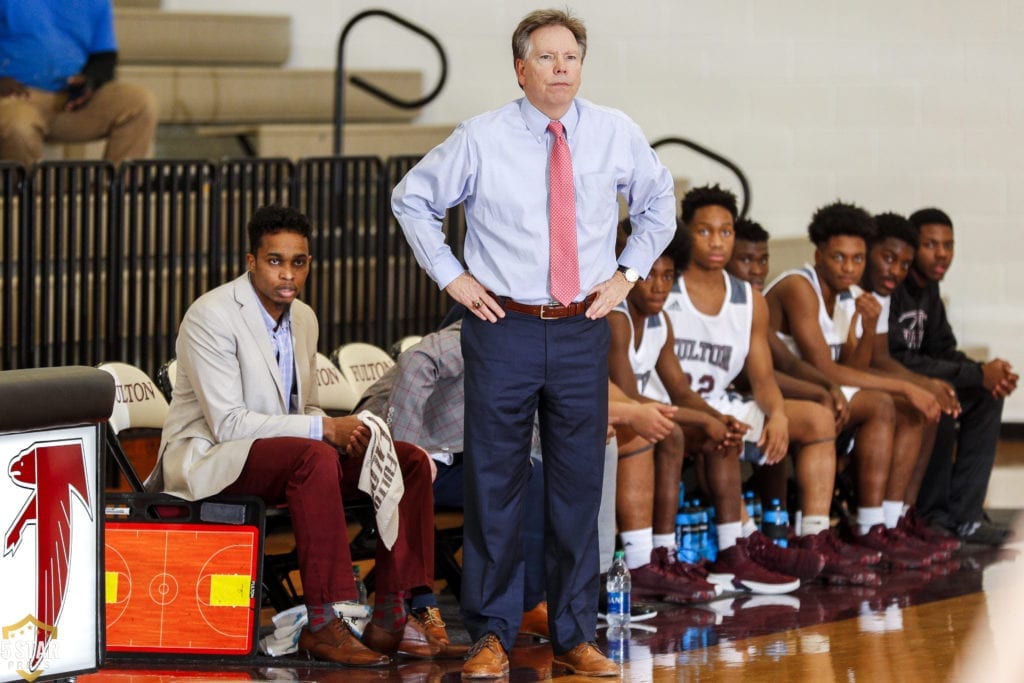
51, 397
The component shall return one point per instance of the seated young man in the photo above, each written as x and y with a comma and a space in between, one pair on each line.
920, 337
890, 255
650, 462
796, 378
812, 309
642, 347
647, 489
245, 419
721, 334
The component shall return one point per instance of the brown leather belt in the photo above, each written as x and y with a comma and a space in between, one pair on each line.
546, 311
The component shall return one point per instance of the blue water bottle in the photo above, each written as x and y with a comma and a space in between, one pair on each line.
758, 512
688, 549
711, 553
680, 533
700, 528
776, 523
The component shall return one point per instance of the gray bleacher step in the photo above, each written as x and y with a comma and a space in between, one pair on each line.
148, 4
296, 141
198, 95
293, 141
154, 36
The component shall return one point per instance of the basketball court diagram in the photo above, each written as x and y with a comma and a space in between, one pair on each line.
181, 588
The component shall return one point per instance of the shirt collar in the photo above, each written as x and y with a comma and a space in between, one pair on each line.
537, 122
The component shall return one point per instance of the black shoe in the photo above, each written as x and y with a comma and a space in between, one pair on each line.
983, 533
638, 611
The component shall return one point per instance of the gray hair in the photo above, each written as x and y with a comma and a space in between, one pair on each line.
546, 17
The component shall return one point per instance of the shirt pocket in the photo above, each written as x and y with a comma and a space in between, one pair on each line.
596, 202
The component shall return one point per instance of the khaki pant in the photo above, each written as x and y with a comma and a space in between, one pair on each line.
124, 114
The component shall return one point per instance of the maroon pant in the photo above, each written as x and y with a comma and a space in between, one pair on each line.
310, 477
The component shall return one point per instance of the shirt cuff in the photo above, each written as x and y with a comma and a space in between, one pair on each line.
444, 273
316, 428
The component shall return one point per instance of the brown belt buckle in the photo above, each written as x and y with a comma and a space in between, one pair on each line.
544, 309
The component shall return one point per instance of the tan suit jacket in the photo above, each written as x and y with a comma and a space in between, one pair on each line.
228, 391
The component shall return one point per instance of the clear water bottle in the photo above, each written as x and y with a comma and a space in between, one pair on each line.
619, 586
361, 596
776, 523
618, 643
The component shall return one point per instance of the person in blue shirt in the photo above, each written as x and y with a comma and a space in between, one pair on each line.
57, 61
526, 352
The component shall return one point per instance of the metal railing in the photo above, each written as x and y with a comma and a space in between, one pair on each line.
363, 84
714, 156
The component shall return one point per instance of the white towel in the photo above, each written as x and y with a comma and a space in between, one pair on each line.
284, 639
381, 477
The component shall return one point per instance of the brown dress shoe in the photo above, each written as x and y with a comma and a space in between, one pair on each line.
432, 623
535, 622
416, 642
586, 660
379, 639
336, 643
487, 659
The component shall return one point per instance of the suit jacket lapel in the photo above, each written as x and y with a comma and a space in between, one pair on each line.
252, 314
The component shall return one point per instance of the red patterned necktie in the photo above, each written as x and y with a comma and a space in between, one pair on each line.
564, 264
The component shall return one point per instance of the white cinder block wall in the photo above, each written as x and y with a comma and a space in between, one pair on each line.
893, 105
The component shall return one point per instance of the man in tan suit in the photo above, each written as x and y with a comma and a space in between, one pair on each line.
245, 419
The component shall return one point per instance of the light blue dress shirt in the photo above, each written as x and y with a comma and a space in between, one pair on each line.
284, 350
497, 164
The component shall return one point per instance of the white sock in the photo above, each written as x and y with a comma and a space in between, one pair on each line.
814, 524
637, 546
869, 517
892, 510
665, 541
748, 528
906, 509
728, 533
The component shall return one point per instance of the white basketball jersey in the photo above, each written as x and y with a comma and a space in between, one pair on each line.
835, 329
644, 359
712, 349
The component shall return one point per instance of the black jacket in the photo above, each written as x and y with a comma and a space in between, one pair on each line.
920, 336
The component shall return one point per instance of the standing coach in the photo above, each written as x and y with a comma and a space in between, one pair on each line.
539, 179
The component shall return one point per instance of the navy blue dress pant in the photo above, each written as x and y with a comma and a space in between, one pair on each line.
448, 492
515, 368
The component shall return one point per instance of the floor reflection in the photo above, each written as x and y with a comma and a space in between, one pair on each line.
909, 628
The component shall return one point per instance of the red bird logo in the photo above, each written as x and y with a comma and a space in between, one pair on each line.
57, 473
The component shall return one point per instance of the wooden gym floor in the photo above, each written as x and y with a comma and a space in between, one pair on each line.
960, 624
